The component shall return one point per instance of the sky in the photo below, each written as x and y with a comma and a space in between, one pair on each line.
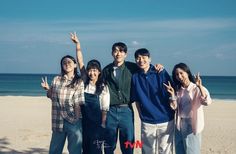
35, 35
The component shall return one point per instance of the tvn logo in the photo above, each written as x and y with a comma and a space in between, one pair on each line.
136, 144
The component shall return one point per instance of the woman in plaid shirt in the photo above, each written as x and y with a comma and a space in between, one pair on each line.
67, 94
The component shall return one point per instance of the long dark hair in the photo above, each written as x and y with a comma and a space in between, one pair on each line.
95, 64
76, 78
186, 69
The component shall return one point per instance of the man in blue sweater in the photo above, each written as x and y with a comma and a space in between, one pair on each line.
153, 104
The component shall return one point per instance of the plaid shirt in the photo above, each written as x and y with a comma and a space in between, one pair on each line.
65, 101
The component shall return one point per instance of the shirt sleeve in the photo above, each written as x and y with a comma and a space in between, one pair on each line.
79, 94
83, 73
207, 99
52, 92
104, 99
165, 78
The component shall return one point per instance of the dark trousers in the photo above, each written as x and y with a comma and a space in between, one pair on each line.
93, 139
92, 131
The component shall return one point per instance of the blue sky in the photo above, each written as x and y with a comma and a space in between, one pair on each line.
34, 35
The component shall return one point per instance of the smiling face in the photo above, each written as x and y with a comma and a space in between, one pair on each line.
143, 62
182, 77
68, 65
93, 74
119, 56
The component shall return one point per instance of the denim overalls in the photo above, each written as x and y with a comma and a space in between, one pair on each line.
92, 130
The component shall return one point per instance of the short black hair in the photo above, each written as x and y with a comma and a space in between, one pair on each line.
120, 45
94, 64
142, 52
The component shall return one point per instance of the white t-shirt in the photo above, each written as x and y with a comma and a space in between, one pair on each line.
116, 72
104, 97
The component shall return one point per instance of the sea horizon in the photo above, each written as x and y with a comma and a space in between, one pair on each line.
28, 84
78, 72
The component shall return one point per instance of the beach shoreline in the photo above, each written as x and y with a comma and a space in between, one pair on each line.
26, 125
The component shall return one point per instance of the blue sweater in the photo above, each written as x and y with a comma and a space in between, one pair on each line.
149, 91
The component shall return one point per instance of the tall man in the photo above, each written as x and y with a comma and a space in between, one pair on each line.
153, 104
120, 116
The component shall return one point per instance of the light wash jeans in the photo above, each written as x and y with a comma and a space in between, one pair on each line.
157, 138
185, 141
73, 133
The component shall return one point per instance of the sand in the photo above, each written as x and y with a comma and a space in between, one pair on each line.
26, 128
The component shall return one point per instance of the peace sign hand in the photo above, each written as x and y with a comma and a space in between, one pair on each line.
74, 37
44, 83
198, 80
169, 88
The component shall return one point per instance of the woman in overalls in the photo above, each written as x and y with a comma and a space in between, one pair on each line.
97, 101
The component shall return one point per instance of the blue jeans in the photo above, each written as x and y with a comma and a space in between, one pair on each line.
185, 141
119, 118
73, 133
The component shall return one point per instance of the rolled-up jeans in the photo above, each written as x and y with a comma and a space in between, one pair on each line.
185, 141
73, 133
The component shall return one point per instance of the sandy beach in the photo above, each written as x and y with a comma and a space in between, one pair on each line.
26, 128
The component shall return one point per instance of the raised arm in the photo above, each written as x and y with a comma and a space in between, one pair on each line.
79, 54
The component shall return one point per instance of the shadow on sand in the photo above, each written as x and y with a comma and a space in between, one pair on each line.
5, 144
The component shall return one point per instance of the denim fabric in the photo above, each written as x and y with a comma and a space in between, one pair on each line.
92, 131
185, 141
93, 139
91, 108
119, 118
73, 133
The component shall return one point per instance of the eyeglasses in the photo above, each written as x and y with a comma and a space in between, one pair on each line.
67, 62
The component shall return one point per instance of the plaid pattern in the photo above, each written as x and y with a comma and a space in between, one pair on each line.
65, 102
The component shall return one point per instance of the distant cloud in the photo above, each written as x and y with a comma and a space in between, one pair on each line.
219, 55
135, 43
56, 31
225, 51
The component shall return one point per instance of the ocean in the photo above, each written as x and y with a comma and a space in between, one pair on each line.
220, 87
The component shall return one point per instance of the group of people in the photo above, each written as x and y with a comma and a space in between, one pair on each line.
92, 109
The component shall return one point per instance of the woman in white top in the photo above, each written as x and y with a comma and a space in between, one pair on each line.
97, 101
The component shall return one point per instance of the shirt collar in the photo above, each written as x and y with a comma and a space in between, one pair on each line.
190, 86
119, 67
150, 70
65, 77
